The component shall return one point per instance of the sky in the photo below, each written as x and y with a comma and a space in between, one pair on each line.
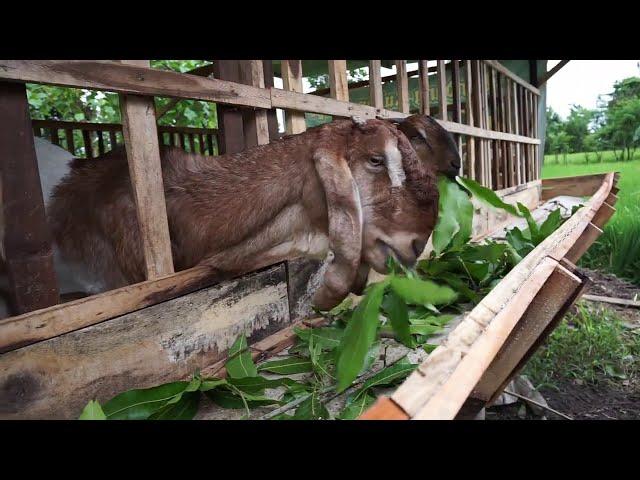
581, 81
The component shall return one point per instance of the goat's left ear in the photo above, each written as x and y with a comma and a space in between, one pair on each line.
345, 227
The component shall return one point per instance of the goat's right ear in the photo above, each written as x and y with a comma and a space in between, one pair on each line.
345, 227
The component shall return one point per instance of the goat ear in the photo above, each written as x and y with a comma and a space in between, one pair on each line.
345, 227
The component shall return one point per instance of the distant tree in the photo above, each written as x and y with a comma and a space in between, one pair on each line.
577, 127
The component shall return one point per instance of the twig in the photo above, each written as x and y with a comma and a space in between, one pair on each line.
533, 402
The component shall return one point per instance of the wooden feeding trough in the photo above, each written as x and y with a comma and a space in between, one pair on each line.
54, 356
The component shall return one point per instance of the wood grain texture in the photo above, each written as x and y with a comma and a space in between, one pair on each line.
291, 71
338, 83
402, 86
423, 82
163, 343
256, 128
27, 238
375, 84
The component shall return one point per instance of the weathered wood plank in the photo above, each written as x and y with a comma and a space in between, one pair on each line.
256, 128
166, 342
375, 84
27, 238
338, 83
132, 79
143, 155
402, 86
508, 73
272, 119
230, 120
315, 104
423, 81
575, 186
442, 90
292, 82
588, 237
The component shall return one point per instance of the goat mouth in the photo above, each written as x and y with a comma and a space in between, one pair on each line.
388, 250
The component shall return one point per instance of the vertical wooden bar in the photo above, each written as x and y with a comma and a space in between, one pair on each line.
442, 90
55, 138
88, 148
402, 86
37, 131
203, 146
183, 141
292, 81
27, 239
504, 150
477, 115
497, 158
457, 102
192, 144
256, 128
338, 84
100, 142
485, 118
143, 154
516, 130
375, 84
68, 133
272, 119
230, 121
112, 139
471, 143
509, 118
423, 79
210, 144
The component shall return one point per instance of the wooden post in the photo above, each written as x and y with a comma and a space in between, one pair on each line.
256, 128
27, 239
457, 102
70, 144
423, 78
602, 216
442, 90
230, 121
292, 81
471, 144
272, 119
338, 83
402, 86
477, 115
88, 148
141, 142
375, 84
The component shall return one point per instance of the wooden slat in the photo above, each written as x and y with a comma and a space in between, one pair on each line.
471, 143
71, 147
588, 237
402, 86
88, 147
423, 80
338, 83
292, 82
27, 239
326, 106
192, 143
230, 118
552, 72
508, 73
132, 79
375, 84
100, 142
55, 138
202, 145
113, 140
143, 155
384, 409
256, 127
272, 119
476, 102
210, 144
442, 90
614, 301
603, 215
575, 186
559, 288
162, 343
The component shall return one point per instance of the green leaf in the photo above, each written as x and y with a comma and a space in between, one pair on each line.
141, 403
92, 411
533, 226
341, 307
428, 347
420, 292
455, 215
398, 315
211, 383
287, 366
372, 355
240, 363
312, 409
424, 329
327, 338
356, 407
387, 376
359, 335
226, 398
551, 224
256, 385
486, 195
184, 409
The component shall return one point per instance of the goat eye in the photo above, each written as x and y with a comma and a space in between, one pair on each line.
376, 161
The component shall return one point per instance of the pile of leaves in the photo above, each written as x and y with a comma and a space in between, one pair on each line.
409, 305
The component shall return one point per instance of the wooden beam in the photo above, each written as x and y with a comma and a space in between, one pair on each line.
375, 82
27, 238
614, 301
338, 82
132, 79
423, 80
230, 121
272, 119
384, 409
603, 215
402, 86
442, 90
545, 78
590, 235
327, 106
292, 82
203, 71
556, 291
256, 128
143, 155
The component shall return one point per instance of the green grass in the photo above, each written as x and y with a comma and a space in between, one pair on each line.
618, 248
592, 345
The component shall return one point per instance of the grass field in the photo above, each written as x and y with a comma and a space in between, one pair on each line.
618, 248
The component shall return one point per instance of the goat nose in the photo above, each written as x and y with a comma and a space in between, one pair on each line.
418, 246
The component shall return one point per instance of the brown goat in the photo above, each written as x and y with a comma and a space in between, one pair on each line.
356, 188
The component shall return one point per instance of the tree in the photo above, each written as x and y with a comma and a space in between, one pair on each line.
577, 127
623, 121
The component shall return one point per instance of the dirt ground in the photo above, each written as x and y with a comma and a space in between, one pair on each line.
608, 400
